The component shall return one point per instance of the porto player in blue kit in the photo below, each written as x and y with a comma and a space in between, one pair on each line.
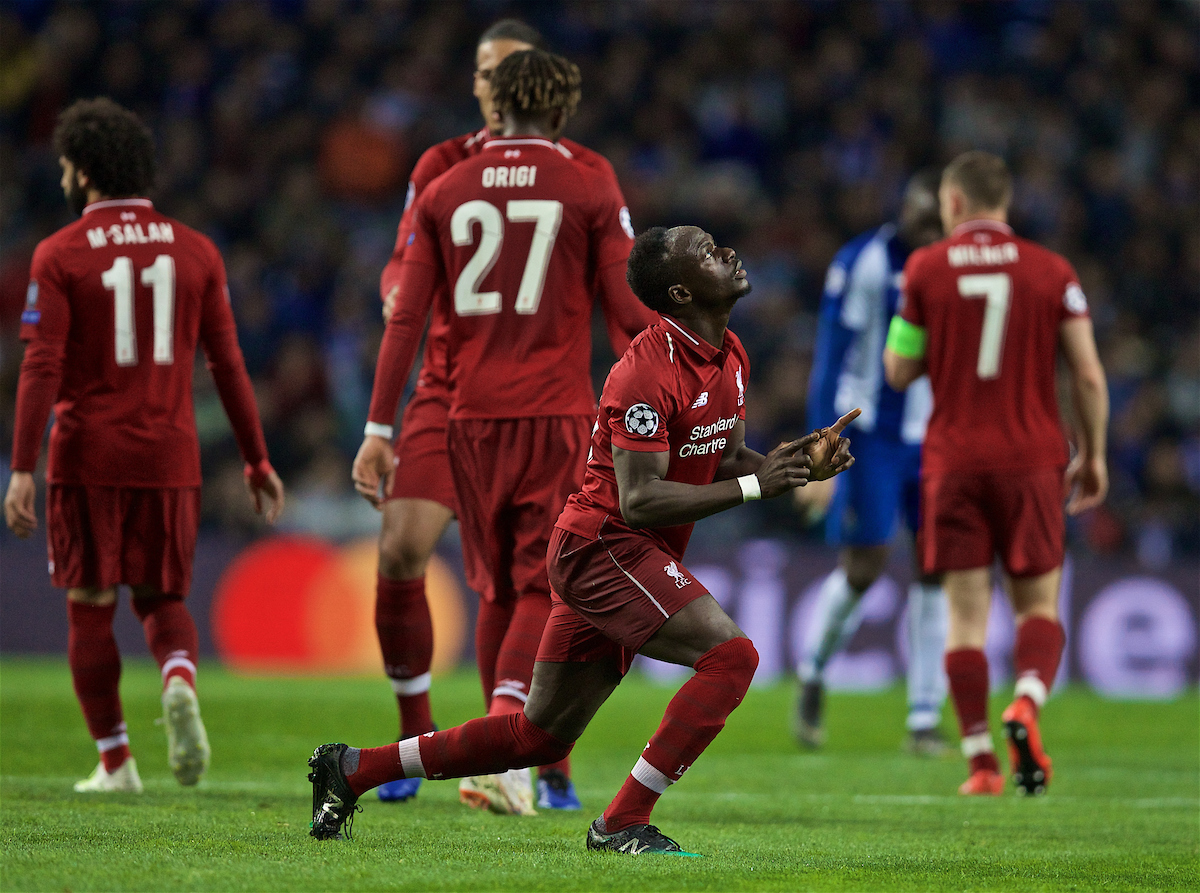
861, 292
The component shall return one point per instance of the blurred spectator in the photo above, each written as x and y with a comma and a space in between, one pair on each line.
286, 129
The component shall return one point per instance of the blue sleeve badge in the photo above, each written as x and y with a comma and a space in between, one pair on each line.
31, 316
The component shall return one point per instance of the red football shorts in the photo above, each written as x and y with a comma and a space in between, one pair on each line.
422, 464
967, 519
102, 536
610, 596
512, 478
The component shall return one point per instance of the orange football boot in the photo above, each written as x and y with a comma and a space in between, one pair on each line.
983, 783
1031, 767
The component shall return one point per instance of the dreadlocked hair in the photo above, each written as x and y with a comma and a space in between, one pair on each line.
533, 82
109, 143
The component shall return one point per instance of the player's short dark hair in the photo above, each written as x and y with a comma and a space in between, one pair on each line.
514, 29
983, 178
534, 82
109, 143
650, 272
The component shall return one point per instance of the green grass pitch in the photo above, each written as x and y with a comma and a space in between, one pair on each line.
1123, 812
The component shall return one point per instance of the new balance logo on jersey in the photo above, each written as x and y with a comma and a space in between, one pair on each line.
702, 400
741, 387
677, 575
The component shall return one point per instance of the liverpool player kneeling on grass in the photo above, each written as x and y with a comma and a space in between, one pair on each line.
117, 303
668, 449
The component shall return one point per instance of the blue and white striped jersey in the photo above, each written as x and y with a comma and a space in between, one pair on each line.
862, 289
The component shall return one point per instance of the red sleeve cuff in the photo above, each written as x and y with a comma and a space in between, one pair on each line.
640, 445
257, 474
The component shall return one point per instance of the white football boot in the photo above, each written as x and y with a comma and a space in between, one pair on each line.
517, 785
509, 793
125, 780
187, 741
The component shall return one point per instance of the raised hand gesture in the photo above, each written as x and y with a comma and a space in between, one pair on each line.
828, 451
786, 467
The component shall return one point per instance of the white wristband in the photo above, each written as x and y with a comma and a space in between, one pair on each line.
374, 429
750, 488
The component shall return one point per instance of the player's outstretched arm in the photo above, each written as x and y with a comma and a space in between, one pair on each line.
19, 512
829, 451
374, 470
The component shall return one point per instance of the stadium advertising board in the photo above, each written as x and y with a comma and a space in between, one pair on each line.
278, 605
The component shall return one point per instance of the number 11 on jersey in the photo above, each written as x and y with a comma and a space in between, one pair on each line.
160, 277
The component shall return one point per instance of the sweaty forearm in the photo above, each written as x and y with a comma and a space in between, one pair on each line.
661, 503
744, 461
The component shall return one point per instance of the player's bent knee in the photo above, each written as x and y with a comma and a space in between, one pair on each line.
736, 658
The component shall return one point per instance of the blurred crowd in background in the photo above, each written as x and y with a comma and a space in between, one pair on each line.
287, 129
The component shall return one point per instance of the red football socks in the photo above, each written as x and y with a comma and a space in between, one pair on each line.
405, 629
376, 766
490, 626
482, 746
692, 720
95, 666
1037, 652
967, 672
171, 634
518, 651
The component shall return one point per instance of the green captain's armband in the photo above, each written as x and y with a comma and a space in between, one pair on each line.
906, 340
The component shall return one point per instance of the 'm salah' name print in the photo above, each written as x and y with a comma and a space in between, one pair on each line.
130, 234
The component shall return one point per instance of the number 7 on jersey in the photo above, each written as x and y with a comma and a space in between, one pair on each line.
996, 289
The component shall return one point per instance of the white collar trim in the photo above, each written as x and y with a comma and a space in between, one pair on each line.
498, 141
119, 203
982, 223
682, 330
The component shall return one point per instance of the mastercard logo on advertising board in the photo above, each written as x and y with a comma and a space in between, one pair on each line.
298, 604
